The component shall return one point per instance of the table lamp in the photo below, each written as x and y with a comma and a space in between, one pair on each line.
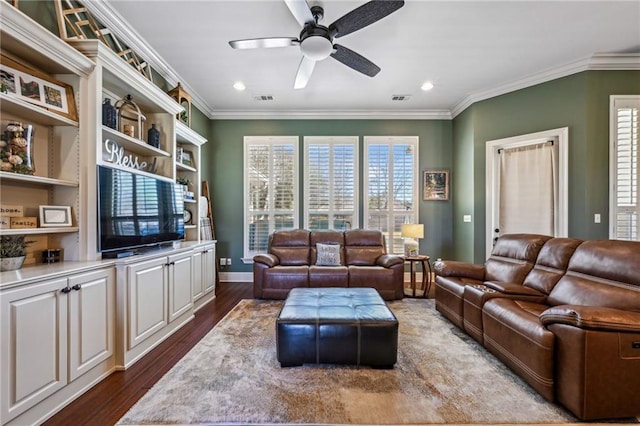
411, 232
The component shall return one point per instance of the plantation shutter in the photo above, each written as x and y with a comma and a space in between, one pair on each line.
330, 182
271, 170
625, 167
391, 186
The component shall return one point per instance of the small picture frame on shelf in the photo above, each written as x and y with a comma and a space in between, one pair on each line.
38, 88
55, 216
187, 158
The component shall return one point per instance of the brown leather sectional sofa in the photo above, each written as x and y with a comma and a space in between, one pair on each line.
292, 255
564, 314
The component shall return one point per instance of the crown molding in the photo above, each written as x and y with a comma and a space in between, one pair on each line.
121, 29
598, 61
333, 115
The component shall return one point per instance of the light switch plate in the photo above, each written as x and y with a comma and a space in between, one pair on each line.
466, 218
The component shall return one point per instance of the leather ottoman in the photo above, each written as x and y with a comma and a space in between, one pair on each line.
336, 326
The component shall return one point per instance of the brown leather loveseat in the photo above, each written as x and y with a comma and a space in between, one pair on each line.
564, 314
293, 258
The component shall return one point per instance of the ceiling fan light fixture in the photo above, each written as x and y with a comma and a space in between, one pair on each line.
316, 47
239, 86
427, 86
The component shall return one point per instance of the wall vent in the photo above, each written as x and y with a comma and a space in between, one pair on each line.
261, 98
400, 98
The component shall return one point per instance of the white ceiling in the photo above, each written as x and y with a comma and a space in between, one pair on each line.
469, 50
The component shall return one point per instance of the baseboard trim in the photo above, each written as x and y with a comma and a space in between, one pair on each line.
243, 277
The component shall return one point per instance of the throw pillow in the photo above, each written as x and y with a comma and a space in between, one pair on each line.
328, 254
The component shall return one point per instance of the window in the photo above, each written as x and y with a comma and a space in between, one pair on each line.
624, 208
391, 186
270, 189
331, 182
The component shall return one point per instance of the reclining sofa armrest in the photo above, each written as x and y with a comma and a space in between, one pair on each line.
268, 259
388, 260
513, 289
452, 268
593, 318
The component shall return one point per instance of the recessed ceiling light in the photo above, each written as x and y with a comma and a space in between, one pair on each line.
427, 86
239, 86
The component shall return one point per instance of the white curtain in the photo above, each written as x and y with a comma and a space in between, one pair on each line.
528, 190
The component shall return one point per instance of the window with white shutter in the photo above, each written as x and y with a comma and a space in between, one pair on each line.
270, 189
624, 210
391, 186
331, 182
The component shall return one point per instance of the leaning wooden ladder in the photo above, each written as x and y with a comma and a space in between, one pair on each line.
207, 230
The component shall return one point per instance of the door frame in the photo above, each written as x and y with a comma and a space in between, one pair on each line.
561, 135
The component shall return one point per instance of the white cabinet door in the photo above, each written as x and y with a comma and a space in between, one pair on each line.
34, 345
147, 295
91, 320
180, 278
198, 275
209, 267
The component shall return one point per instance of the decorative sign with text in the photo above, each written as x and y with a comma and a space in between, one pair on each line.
118, 157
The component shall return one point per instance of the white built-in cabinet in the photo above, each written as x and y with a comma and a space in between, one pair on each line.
53, 331
66, 326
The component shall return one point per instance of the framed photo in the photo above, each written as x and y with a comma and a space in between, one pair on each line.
435, 185
38, 88
55, 216
187, 158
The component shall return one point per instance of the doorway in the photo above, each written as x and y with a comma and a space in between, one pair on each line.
527, 179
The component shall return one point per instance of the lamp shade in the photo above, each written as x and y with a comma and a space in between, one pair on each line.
412, 230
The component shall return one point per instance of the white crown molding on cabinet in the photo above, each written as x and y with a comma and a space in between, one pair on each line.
110, 18
598, 61
26, 32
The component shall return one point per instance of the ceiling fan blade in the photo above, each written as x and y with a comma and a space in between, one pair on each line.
304, 72
256, 43
301, 11
364, 15
354, 60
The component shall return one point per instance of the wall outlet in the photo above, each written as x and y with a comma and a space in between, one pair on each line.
596, 218
228, 261
223, 261
466, 218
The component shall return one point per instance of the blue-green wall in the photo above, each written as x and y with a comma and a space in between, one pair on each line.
223, 157
579, 102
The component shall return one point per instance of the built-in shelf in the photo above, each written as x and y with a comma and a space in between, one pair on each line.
190, 227
132, 144
38, 231
181, 166
31, 180
33, 113
190, 201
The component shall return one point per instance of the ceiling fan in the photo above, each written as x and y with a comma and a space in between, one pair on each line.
316, 41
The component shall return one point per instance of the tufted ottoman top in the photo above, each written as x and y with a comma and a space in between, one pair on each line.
335, 305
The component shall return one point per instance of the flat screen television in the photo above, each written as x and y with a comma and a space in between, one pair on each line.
136, 211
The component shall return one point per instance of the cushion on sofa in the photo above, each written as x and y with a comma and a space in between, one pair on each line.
551, 264
328, 255
290, 246
601, 273
513, 257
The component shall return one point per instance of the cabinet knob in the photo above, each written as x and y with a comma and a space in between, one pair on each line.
77, 287
65, 290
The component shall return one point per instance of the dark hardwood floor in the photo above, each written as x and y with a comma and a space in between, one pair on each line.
108, 401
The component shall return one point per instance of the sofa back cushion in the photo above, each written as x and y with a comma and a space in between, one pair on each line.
601, 273
551, 264
513, 257
363, 247
290, 246
326, 237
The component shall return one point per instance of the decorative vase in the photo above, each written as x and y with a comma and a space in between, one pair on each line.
153, 136
109, 114
16, 149
11, 263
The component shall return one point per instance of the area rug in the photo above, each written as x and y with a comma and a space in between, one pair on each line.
442, 376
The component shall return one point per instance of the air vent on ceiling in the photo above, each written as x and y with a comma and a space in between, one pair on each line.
261, 98
400, 98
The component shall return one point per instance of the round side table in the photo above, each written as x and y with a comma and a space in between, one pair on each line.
426, 276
